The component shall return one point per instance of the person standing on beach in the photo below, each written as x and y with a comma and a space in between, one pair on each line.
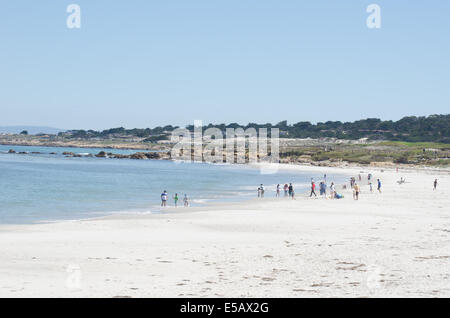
286, 188
262, 191
435, 184
175, 199
278, 191
186, 201
357, 191
164, 198
291, 189
332, 190
292, 192
379, 185
313, 189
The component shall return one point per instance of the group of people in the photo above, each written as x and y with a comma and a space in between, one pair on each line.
323, 189
288, 191
165, 197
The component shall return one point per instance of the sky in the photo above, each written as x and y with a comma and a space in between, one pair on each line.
153, 63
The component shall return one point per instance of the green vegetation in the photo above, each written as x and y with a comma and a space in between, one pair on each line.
379, 152
434, 128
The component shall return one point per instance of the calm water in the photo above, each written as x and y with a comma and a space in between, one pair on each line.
44, 187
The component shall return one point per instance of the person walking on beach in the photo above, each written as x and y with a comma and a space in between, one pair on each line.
352, 182
175, 199
357, 191
286, 189
435, 184
332, 191
379, 185
313, 189
323, 189
164, 198
278, 191
186, 201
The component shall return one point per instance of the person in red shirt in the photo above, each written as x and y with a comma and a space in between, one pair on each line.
313, 189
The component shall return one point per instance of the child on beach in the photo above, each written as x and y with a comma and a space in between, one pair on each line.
186, 201
175, 199
379, 185
332, 190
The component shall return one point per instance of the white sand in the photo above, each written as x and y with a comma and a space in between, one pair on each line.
392, 244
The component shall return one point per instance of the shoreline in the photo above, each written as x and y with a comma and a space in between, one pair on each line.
344, 170
163, 154
392, 244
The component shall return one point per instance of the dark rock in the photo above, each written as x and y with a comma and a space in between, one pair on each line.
11, 151
101, 154
138, 155
152, 155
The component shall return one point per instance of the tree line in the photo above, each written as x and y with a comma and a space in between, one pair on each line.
434, 128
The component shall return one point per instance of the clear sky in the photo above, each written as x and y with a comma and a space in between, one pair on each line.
147, 63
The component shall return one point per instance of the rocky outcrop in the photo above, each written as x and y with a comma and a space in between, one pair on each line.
11, 151
101, 154
138, 155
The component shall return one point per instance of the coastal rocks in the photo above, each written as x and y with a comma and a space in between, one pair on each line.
118, 156
138, 155
101, 154
11, 151
66, 153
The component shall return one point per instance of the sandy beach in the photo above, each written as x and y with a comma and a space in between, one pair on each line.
393, 244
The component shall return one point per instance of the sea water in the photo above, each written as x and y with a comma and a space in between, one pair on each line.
50, 187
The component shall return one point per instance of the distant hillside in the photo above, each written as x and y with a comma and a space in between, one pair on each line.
414, 129
32, 130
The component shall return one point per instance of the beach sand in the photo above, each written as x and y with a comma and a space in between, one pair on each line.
385, 245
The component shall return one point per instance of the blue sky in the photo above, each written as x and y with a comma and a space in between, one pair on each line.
148, 63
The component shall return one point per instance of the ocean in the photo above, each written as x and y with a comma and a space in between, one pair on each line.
50, 187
